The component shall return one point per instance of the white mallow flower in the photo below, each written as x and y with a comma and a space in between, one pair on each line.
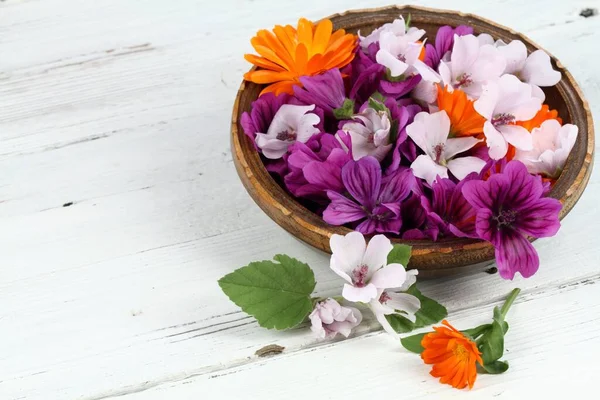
291, 123
329, 318
430, 132
389, 302
370, 134
502, 103
552, 144
535, 69
364, 268
397, 28
471, 65
399, 50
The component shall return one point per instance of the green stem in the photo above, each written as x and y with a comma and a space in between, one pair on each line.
509, 301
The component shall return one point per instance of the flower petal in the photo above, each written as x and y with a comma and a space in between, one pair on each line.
515, 254
362, 179
463, 166
376, 254
390, 276
495, 141
456, 146
363, 294
346, 253
541, 219
342, 210
425, 168
515, 54
538, 70
404, 302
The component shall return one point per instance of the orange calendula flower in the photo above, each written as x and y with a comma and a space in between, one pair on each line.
464, 120
288, 53
453, 355
543, 115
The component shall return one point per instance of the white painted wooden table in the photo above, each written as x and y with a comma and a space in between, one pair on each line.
120, 208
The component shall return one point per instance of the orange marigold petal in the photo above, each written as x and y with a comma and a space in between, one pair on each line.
263, 76
322, 35
273, 43
286, 40
280, 87
305, 32
263, 62
301, 59
542, 115
315, 65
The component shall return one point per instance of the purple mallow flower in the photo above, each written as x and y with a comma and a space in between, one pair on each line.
316, 166
444, 40
509, 207
449, 209
326, 91
375, 200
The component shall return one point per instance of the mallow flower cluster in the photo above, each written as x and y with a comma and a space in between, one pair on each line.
414, 137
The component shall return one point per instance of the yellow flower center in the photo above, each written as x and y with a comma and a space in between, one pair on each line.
461, 352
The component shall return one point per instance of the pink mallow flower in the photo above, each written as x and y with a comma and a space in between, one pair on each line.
552, 144
291, 123
329, 318
502, 103
471, 65
430, 132
370, 134
364, 268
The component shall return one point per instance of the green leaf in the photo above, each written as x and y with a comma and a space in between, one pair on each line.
431, 312
394, 130
413, 343
378, 97
400, 254
276, 294
496, 367
407, 22
346, 111
390, 78
474, 333
377, 105
491, 343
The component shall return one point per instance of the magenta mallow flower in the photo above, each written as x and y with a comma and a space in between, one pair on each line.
444, 40
509, 208
329, 318
364, 267
374, 200
316, 166
449, 209
326, 91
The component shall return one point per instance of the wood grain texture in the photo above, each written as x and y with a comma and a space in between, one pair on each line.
448, 255
116, 294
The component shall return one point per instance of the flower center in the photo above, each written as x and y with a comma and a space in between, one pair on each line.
460, 352
502, 119
359, 276
384, 298
371, 138
438, 150
288, 136
463, 80
506, 218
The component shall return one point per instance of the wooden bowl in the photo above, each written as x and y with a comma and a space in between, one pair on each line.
448, 255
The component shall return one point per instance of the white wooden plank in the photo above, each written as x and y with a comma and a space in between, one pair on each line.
550, 347
122, 118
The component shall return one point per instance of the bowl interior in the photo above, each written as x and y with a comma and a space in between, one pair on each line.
565, 97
